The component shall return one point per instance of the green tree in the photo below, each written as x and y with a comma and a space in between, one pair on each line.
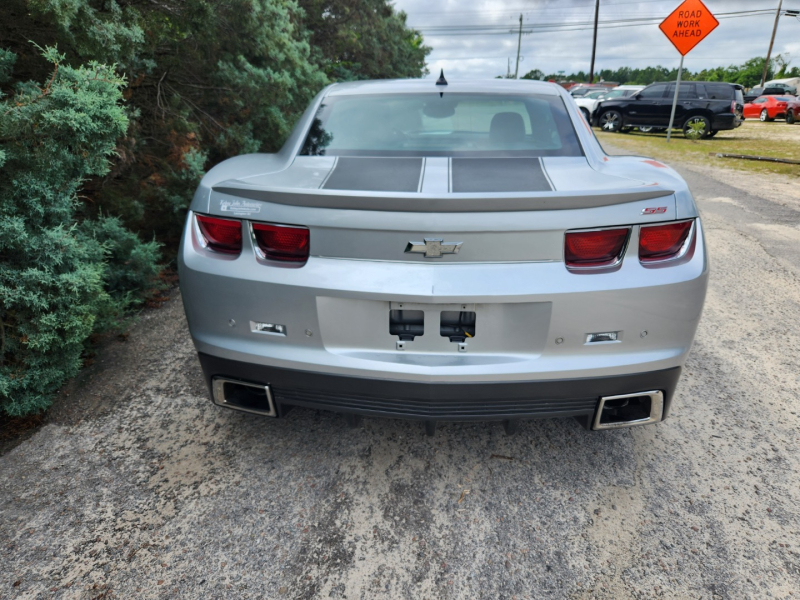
53, 269
205, 81
534, 74
208, 80
747, 74
363, 39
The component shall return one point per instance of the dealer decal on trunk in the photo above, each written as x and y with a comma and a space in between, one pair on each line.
240, 208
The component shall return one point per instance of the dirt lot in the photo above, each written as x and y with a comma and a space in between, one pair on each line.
139, 488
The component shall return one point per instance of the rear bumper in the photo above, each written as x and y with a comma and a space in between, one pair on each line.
489, 401
725, 121
532, 318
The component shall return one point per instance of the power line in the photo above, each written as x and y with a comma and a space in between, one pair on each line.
500, 29
443, 30
657, 18
528, 9
539, 56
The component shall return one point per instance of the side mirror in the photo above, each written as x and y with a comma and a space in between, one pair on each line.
637, 97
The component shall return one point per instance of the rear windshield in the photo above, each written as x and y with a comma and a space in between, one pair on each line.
719, 91
485, 125
784, 98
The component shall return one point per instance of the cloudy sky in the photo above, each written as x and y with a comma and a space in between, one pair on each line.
551, 46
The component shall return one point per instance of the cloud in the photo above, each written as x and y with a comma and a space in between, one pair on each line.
487, 55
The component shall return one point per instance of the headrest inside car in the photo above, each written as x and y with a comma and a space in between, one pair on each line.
507, 127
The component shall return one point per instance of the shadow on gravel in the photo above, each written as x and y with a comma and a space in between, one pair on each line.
15, 429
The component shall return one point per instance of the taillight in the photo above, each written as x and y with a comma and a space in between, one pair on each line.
662, 242
282, 242
221, 235
594, 249
733, 106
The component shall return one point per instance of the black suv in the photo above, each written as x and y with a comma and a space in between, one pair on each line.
703, 108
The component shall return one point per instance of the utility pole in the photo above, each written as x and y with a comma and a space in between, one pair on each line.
519, 43
771, 41
594, 40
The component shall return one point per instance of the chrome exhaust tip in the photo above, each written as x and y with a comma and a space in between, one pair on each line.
629, 410
242, 396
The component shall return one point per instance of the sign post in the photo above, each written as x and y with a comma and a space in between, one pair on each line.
686, 27
675, 101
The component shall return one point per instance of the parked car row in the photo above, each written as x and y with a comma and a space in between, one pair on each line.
703, 108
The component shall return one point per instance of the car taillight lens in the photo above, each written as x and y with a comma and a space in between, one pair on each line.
221, 235
733, 106
662, 242
282, 242
592, 249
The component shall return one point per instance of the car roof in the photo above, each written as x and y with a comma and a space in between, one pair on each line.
416, 86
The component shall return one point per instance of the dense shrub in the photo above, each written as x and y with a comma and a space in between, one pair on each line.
203, 81
56, 284
208, 80
130, 267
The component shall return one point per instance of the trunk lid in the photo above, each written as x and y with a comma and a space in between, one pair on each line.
468, 209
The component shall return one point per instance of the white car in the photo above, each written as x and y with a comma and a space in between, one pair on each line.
590, 101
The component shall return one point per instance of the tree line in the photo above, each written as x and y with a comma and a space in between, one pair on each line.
110, 112
747, 74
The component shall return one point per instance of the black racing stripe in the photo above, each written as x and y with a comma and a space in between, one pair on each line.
375, 174
499, 175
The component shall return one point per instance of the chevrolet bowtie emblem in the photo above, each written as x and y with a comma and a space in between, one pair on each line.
434, 248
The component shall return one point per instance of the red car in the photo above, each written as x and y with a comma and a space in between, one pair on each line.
769, 108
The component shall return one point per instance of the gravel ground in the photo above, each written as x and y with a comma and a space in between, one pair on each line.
139, 488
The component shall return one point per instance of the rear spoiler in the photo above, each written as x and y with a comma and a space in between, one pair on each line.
453, 202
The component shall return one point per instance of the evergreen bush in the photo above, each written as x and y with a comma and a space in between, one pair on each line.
208, 80
81, 173
59, 279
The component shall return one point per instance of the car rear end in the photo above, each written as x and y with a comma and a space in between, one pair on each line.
726, 103
781, 106
384, 271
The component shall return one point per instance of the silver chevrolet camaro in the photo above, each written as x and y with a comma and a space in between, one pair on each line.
444, 252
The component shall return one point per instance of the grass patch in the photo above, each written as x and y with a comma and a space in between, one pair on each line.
776, 139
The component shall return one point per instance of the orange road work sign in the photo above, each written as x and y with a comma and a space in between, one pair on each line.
688, 25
